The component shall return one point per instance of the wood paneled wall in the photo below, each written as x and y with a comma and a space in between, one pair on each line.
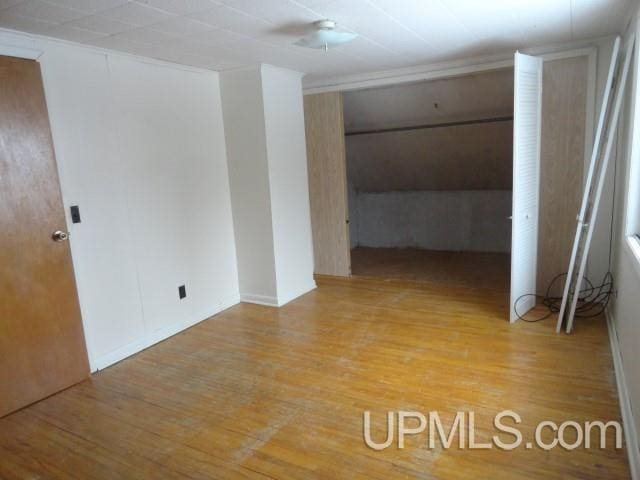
326, 158
564, 101
432, 101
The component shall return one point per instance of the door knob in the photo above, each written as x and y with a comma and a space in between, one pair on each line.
60, 236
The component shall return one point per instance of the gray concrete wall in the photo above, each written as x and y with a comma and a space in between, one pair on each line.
434, 220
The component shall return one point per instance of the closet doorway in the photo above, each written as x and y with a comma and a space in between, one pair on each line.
415, 180
429, 170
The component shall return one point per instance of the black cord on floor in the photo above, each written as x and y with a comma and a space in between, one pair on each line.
592, 302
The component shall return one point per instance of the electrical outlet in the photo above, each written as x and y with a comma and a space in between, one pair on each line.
75, 214
182, 291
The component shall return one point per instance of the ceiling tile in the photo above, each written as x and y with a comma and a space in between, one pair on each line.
70, 33
358, 47
507, 25
309, 3
336, 64
188, 45
282, 12
44, 11
186, 59
225, 34
369, 21
230, 53
136, 14
97, 23
359, 15
429, 19
37, 27
180, 26
159, 49
252, 27
221, 66
279, 37
145, 35
25, 24
217, 36
220, 16
89, 6
117, 43
180, 7
9, 3
591, 18
243, 52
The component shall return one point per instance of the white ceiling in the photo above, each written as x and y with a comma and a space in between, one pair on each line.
227, 34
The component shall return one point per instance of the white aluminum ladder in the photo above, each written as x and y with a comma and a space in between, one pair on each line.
607, 124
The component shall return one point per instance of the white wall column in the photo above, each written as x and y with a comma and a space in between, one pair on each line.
264, 131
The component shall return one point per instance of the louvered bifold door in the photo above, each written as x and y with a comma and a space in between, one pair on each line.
526, 182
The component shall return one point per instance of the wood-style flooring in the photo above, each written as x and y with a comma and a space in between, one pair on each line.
265, 393
470, 269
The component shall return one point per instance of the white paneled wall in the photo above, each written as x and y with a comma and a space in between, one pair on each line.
140, 148
81, 113
172, 141
625, 308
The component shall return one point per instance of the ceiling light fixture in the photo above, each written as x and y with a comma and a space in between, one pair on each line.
325, 36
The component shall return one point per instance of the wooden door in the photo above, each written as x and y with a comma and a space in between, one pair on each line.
42, 347
328, 193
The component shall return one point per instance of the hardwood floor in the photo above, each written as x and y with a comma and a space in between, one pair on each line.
467, 269
258, 392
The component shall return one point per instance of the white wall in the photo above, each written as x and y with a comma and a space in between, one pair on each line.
625, 308
264, 124
140, 148
245, 134
289, 184
435, 220
92, 174
171, 138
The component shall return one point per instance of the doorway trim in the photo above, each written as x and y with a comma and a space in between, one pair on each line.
20, 52
467, 67
445, 69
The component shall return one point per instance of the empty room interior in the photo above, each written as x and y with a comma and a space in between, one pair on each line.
319, 239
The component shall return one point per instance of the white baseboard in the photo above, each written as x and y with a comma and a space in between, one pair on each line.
152, 338
630, 433
259, 299
279, 301
228, 302
286, 298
